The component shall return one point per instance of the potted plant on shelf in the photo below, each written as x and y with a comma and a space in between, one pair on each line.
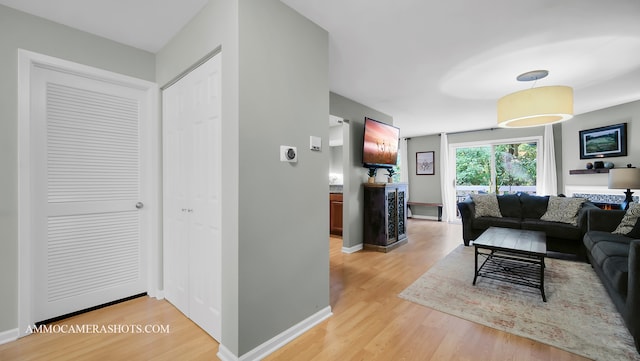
390, 173
372, 174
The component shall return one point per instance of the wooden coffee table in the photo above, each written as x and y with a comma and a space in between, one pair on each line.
512, 255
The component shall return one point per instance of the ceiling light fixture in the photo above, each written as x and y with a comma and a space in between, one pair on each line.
536, 106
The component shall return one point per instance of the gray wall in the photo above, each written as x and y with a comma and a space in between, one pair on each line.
335, 163
284, 212
276, 218
626, 113
353, 196
426, 188
19, 30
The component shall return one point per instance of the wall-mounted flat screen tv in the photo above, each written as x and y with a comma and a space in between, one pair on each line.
380, 147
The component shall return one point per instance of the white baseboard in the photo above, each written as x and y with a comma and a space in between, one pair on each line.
159, 295
431, 218
278, 341
9, 336
225, 355
353, 249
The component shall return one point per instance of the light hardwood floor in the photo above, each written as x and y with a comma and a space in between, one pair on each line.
369, 321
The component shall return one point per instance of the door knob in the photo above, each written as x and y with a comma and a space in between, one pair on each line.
139, 205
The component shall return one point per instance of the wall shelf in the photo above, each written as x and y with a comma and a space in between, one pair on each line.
589, 171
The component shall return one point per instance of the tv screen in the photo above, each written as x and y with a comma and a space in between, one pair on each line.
380, 147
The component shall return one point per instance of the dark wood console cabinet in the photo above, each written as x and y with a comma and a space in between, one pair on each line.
385, 216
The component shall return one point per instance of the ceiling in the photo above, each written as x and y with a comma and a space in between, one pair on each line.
440, 66
435, 66
143, 24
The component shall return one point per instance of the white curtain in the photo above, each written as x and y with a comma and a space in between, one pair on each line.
404, 168
447, 181
404, 162
549, 180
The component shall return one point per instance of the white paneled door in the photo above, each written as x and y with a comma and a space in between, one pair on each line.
191, 195
87, 172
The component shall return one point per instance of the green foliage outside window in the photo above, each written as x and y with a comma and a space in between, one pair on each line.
515, 165
396, 169
473, 166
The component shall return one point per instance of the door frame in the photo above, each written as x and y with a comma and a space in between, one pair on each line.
150, 190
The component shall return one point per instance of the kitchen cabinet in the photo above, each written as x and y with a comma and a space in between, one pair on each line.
335, 214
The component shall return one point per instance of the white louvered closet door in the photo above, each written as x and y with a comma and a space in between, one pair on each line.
191, 195
89, 246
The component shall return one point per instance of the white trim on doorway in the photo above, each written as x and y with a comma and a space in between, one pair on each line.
26, 61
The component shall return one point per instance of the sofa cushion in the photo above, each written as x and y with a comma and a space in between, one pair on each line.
603, 250
563, 209
486, 222
510, 205
592, 238
616, 270
629, 220
553, 229
486, 205
533, 206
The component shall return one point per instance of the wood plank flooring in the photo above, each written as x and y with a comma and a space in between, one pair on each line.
369, 321
185, 340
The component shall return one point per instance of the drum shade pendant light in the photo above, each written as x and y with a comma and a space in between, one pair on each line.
536, 106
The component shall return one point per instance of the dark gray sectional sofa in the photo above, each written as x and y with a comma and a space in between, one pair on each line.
523, 211
615, 259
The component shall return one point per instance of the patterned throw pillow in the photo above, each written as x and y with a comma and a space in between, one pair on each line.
629, 220
486, 205
563, 209
635, 232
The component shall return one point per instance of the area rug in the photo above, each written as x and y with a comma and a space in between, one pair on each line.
578, 316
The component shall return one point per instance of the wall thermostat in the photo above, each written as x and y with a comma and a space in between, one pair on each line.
288, 154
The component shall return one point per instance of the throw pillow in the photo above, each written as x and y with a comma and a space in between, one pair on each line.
563, 209
629, 220
510, 205
533, 206
635, 232
486, 205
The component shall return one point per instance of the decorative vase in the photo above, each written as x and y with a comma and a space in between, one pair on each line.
389, 180
372, 180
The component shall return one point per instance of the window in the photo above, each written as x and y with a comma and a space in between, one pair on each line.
497, 167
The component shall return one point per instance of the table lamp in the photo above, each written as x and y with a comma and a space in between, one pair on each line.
625, 178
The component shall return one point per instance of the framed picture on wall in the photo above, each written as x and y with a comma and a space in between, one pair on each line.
425, 163
609, 141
